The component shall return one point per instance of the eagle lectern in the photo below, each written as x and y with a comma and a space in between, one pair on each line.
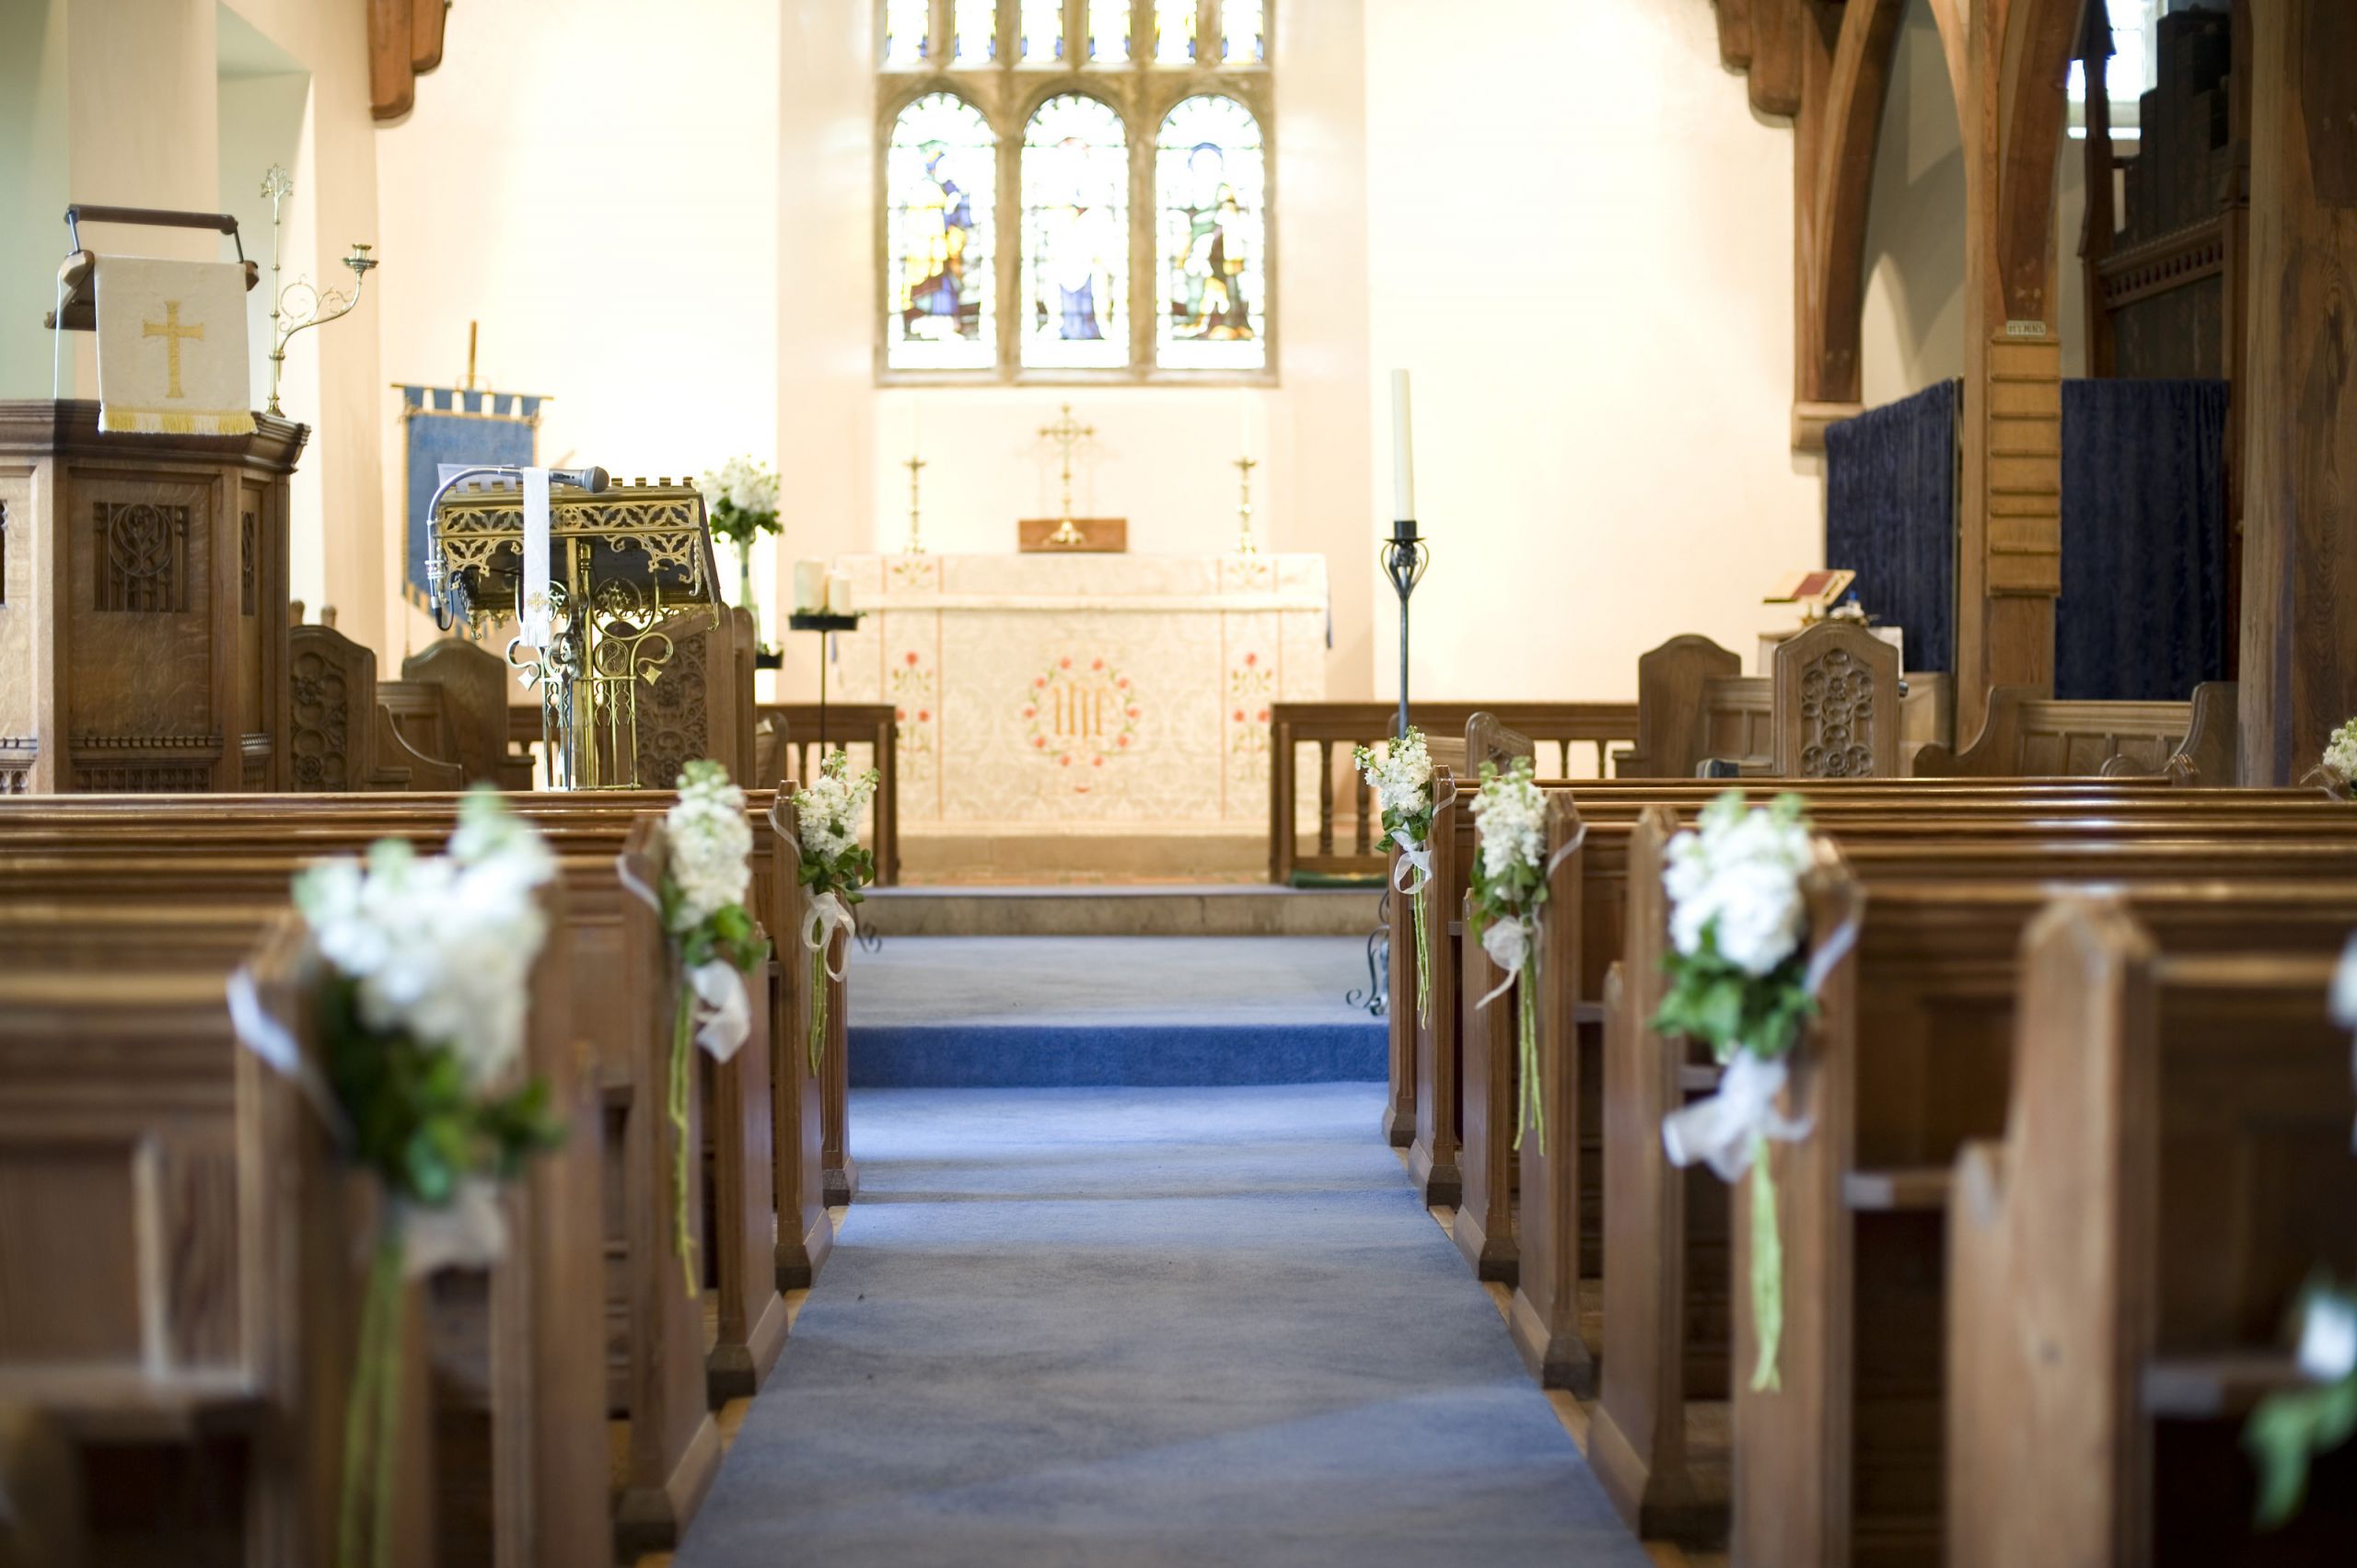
143, 605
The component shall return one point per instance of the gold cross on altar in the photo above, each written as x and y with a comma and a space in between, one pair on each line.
171, 332
1068, 433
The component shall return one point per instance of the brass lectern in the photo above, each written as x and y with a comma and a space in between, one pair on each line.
624, 564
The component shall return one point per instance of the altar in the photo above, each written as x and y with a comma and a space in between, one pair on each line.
1083, 715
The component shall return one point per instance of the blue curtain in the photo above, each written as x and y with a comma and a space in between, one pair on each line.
2143, 611
1890, 517
451, 424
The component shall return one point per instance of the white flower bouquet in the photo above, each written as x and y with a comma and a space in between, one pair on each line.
1402, 777
2288, 1428
422, 1029
740, 500
715, 942
1741, 980
1509, 890
834, 868
2338, 764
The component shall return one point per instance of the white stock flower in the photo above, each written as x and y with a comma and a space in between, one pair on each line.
1759, 915
709, 839
1400, 774
2340, 753
1512, 815
2329, 1338
1735, 879
441, 946
829, 809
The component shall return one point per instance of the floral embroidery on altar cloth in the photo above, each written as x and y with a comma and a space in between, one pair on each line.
1079, 713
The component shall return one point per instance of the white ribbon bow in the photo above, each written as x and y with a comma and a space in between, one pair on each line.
1415, 867
828, 914
469, 1232
1724, 1130
723, 1004
1508, 942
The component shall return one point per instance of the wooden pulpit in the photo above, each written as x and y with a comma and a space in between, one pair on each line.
143, 605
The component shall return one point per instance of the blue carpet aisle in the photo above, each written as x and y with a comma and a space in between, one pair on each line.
1142, 1326
998, 1011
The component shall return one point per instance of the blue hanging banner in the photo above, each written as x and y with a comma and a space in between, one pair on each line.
455, 426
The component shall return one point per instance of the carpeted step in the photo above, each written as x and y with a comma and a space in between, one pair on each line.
1144, 1055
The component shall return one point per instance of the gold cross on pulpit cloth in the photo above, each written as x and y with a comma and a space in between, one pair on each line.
195, 312
1068, 433
171, 332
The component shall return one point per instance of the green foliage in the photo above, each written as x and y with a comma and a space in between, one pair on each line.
2286, 1431
1710, 1000
414, 1121
1518, 890
844, 875
739, 526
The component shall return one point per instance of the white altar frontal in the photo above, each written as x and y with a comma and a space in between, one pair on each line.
1083, 715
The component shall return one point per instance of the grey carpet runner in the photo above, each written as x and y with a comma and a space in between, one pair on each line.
1146, 1326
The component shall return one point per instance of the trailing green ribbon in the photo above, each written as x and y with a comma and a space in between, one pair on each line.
1534, 1102
1767, 1271
818, 983
682, 1076
372, 1414
1423, 955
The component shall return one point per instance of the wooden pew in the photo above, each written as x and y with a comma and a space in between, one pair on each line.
792, 736
2176, 1161
1911, 1056
587, 830
475, 684
1431, 1155
2027, 735
514, 1425
340, 736
1338, 728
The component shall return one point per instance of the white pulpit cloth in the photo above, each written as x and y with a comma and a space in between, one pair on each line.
172, 352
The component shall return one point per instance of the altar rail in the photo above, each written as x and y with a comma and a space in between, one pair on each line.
788, 732
1333, 726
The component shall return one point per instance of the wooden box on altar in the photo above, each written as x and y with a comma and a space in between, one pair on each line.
143, 605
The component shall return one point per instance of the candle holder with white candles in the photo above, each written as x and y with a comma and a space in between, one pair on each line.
1405, 554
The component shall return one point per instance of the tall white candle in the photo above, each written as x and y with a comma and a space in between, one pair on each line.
1404, 462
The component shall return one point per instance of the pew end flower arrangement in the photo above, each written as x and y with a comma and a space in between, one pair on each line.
2288, 1428
421, 1023
1402, 777
1509, 884
716, 943
2337, 769
1743, 978
834, 867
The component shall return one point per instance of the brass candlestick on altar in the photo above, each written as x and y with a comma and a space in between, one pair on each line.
300, 305
1244, 543
915, 546
1069, 434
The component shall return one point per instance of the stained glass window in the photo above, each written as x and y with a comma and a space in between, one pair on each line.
1243, 31
1076, 234
907, 24
976, 24
1211, 185
1174, 32
939, 174
1109, 31
1043, 31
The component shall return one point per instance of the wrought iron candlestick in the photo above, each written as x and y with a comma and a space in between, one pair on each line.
915, 465
1404, 556
1244, 544
299, 304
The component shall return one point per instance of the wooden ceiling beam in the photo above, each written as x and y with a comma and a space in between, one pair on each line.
1851, 51
1735, 34
404, 42
1776, 75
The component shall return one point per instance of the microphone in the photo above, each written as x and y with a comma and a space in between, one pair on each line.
594, 480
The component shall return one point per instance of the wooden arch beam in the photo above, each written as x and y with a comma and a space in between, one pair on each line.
1842, 125
2031, 110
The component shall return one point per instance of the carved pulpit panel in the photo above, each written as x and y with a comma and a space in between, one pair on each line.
701, 705
1837, 704
149, 654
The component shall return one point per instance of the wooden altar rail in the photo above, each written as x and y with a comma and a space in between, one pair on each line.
855, 726
1344, 726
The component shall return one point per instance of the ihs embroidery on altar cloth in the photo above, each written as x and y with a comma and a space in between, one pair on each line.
1078, 714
